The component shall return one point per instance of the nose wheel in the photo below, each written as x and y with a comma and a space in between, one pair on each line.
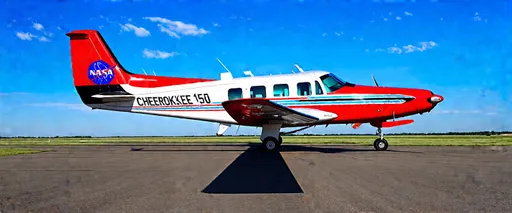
380, 144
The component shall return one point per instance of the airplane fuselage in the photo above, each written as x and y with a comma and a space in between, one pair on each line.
300, 91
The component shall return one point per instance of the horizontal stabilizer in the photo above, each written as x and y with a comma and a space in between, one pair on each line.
114, 97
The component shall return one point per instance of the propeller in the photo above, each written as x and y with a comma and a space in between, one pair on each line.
375, 81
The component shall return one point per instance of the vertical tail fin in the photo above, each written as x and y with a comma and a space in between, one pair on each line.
93, 62
95, 68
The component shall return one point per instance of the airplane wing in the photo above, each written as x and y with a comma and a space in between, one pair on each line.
256, 111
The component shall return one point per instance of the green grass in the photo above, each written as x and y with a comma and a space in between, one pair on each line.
416, 140
17, 151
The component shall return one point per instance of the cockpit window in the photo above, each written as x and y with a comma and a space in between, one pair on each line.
331, 82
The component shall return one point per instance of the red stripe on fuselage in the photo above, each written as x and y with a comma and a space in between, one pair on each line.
148, 81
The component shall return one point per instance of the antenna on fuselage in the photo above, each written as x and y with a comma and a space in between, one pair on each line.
154, 73
375, 81
249, 73
223, 65
144, 71
298, 68
225, 75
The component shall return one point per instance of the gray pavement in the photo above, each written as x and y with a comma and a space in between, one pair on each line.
242, 178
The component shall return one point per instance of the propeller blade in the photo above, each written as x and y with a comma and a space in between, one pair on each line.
375, 81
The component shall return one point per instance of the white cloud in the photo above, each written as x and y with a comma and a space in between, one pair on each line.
407, 13
385, 19
409, 48
216, 24
139, 31
44, 39
324, 34
158, 54
423, 46
37, 26
25, 36
339, 34
398, 18
30, 36
477, 17
395, 50
177, 28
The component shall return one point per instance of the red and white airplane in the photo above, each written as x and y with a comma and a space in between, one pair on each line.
303, 99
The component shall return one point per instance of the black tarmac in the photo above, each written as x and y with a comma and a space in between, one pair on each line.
243, 178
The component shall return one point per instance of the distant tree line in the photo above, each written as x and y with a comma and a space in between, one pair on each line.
488, 133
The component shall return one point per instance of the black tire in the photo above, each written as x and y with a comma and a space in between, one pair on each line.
380, 144
280, 140
271, 144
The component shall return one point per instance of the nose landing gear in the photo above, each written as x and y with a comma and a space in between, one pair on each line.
380, 144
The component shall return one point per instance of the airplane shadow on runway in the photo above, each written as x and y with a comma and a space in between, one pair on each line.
256, 171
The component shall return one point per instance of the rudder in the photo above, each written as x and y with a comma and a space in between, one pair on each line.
92, 61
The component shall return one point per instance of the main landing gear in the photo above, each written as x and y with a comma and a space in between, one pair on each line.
272, 140
270, 137
380, 144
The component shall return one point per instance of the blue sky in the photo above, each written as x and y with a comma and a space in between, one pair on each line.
456, 49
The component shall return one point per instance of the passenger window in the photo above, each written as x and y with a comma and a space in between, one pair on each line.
303, 89
281, 90
258, 92
318, 88
235, 93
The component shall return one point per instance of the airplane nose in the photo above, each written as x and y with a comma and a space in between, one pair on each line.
436, 99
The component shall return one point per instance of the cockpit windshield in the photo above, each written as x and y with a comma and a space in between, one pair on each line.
331, 82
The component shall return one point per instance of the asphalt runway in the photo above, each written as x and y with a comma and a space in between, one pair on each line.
242, 178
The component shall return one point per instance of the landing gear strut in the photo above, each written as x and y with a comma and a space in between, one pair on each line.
380, 144
270, 137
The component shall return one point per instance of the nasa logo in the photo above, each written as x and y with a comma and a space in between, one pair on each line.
100, 72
